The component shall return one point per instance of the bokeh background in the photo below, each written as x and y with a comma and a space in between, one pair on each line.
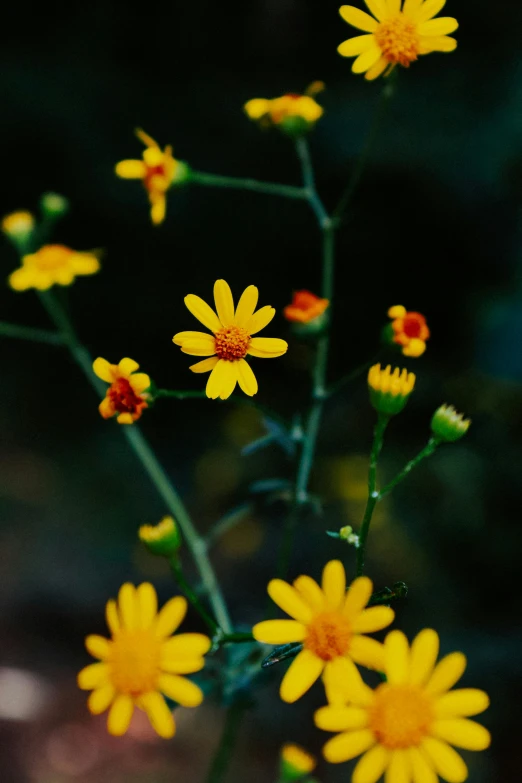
435, 226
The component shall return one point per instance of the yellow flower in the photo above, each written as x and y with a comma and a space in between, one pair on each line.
142, 661
389, 391
406, 725
231, 340
395, 36
158, 171
296, 762
18, 224
293, 112
126, 394
331, 623
52, 264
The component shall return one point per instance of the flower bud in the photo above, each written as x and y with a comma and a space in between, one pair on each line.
53, 205
19, 227
162, 539
389, 391
346, 534
295, 763
447, 425
307, 313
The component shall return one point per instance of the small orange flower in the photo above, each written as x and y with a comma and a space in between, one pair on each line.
305, 307
125, 395
409, 330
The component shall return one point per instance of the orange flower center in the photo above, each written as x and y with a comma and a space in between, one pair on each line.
154, 175
232, 343
134, 661
123, 397
329, 636
52, 257
401, 716
413, 325
398, 39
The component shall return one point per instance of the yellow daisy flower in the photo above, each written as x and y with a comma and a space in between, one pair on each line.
52, 265
331, 623
406, 725
142, 661
395, 36
126, 395
158, 171
231, 340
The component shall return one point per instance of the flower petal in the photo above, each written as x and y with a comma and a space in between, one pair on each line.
462, 733
358, 596
186, 645
246, 306
205, 345
182, 337
84, 263
374, 619
371, 766
224, 302
181, 690
246, 378
334, 583
442, 43
182, 665
127, 366
462, 702
260, 319
355, 46
310, 591
442, 26
171, 616
343, 683
289, 600
366, 60
446, 673
98, 646
447, 762
104, 370
267, 347
147, 604
222, 380
100, 699
424, 651
304, 670
95, 675
367, 652
279, 631
128, 606
427, 10
334, 718
359, 19
139, 382
397, 657
204, 366
421, 768
120, 715
394, 7
399, 767
112, 617
348, 745
131, 169
203, 312
158, 713
378, 8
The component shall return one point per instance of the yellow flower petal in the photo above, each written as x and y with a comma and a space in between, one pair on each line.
125, 418
186, 645
358, 596
394, 6
428, 10
333, 718
106, 408
159, 715
374, 619
128, 606
84, 264
202, 346
158, 209
376, 70
462, 702
246, 378
127, 366
230, 375
421, 768
461, 732
304, 670
424, 652
367, 652
399, 767
100, 699
203, 312
103, 369
112, 617
257, 108
21, 279
139, 382
120, 715
342, 683
441, 43
359, 19
310, 591
246, 306
355, 46
334, 583
181, 690
171, 616
378, 8
153, 156
222, 380
411, 9
446, 673
267, 347
131, 169
366, 60
182, 665
205, 366
442, 26
145, 138
224, 302
372, 765
259, 320
147, 604
93, 676
447, 762
397, 657
348, 745
289, 600
98, 646
182, 337
279, 631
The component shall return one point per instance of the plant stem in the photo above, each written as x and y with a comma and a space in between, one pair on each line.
427, 451
150, 463
227, 522
237, 638
177, 572
239, 183
28, 333
303, 152
373, 495
223, 753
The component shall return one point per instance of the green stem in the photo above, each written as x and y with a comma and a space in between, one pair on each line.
151, 465
28, 333
228, 739
226, 523
427, 451
373, 495
236, 638
240, 183
179, 576
303, 152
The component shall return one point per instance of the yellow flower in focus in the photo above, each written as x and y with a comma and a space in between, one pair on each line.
389, 391
142, 661
18, 224
331, 623
395, 36
406, 726
158, 171
126, 394
296, 762
52, 265
293, 113
231, 340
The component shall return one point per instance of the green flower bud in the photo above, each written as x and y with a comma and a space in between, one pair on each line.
389, 391
53, 205
162, 539
447, 425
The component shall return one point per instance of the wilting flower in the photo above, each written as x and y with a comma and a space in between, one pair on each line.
293, 113
142, 661
409, 330
158, 171
305, 307
389, 391
296, 762
52, 265
448, 425
18, 225
126, 395
231, 340
406, 726
395, 36
330, 622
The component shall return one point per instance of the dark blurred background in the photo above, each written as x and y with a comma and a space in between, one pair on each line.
435, 226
